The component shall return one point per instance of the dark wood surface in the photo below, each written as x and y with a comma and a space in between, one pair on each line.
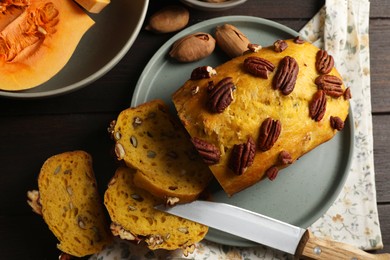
33, 130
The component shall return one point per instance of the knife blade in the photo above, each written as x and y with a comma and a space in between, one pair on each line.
266, 231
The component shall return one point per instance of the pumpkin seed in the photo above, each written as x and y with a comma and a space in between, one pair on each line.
137, 197
119, 151
134, 141
58, 169
69, 190
151, 154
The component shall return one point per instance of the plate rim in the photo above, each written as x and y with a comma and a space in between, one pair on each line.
91, 78
209, 6
239, 18
218, 20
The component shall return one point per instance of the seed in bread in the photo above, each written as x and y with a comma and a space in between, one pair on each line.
69, 203
149, 139
134, 218
286, 98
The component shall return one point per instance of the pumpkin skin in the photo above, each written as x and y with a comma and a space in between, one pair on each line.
37, 40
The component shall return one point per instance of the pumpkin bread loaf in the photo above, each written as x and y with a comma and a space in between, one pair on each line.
134, 218
263, 110
69, 202
150, 140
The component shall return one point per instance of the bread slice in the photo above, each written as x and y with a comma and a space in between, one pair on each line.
134, 218
69, 202
251, 102
152, 141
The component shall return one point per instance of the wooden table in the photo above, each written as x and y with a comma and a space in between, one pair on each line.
33, 130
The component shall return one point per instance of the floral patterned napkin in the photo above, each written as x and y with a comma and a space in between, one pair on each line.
340, 27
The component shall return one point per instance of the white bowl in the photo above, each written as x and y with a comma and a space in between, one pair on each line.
206, 6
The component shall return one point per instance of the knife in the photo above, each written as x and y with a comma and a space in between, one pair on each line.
266, 231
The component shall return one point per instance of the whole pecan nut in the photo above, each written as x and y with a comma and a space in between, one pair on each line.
330, 84
324, 62
317, 106
258, 66
242, 156
209, 152
336, 123
203, 72
280, 45
272, 172
286, 75
269, 133
220, 95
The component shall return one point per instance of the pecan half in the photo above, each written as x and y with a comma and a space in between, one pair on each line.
258, 66
269, 133
280, 45
298, 40
285, 158
220, 95
317, 105
242, 156
209, 152
330, 84
286, 75
347, 94
324, 62
336, 123
272, 172
203, 72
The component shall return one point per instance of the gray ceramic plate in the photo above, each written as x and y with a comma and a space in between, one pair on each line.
101, 48
303, 191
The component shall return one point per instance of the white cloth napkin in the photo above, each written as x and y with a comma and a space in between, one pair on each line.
341, 28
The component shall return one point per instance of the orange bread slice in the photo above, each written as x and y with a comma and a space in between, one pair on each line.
133, 215
150, 140
263, 110
70, 204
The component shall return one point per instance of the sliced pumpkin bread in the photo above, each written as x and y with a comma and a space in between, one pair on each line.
149, 139
134, 218
69, 202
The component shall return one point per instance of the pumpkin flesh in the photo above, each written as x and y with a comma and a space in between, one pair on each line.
37, 39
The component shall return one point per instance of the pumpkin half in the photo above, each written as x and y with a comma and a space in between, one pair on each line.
37, 39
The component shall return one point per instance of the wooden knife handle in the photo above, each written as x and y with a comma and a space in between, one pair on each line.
312, 247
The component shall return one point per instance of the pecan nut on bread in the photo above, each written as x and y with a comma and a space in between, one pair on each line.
259, 112
149, 139
69, 203
134, 218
